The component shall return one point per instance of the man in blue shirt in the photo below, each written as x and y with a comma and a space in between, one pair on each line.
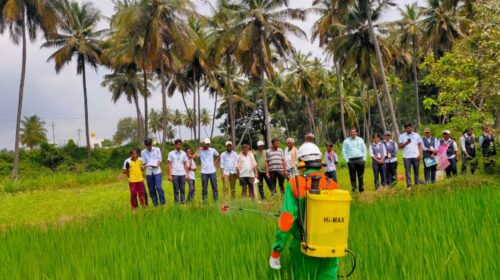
354, 152
208, 157
151, 158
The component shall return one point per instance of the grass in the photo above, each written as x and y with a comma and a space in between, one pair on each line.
449, 230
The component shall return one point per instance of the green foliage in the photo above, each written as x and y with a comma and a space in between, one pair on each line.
126, 130
33, 132
50, 155
468, 76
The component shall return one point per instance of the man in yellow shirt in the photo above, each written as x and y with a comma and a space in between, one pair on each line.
133, 168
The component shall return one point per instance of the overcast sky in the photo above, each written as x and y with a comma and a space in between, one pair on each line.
58, 98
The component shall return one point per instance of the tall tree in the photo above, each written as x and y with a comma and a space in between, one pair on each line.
366, 6
205, 119
161, 25
178, 120
77, 37
263, 27
302, 81
222, 40
23, 19
33, 132
442, 26
410, 35
126, 82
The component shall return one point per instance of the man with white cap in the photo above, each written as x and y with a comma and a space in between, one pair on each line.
228, 170
260, 158
451, 153
208, 157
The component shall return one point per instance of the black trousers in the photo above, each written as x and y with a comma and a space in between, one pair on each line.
379, 173
451, 170
357, 169
262, 177
391, 171
277, 175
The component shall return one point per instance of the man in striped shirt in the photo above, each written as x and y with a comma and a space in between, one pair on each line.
276, 166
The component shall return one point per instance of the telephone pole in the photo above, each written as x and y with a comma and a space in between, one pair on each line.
53, 133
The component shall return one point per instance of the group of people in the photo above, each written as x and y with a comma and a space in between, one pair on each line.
274, 166
436, 153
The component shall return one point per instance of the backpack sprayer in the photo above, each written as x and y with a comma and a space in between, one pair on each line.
325, 223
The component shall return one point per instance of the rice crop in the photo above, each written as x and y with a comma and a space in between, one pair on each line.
441, 233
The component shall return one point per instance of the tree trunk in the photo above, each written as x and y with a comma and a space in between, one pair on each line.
146, 112
213, 116
311, 117
193, 116
199, 110
341, 94
381, 68
264, 105
139, 119
415, 83
85, 104
375, 90
164, 106
15, 166
229, 94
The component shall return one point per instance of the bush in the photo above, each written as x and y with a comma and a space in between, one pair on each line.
50, 156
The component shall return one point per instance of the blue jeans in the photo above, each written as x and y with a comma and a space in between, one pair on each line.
204, 186
155, 189
409, 163
191, 183
331, 175
179, 184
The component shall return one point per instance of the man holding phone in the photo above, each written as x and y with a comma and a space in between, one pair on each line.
411, 144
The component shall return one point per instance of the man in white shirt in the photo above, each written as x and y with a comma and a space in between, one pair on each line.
178, 171
208, 157
151, 158
451, 153
247, 171
228, 171
291, 158
411, 144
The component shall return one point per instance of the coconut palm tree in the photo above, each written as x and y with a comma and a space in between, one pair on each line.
78, 37
33, 132
178, 120
125, 82
24, 19
301, 80
205, 119
366, 7
161, 25
354, 49
442, 26
222, 41
262, 27
409, 35
331, 13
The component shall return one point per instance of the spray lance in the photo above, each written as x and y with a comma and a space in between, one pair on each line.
226, 207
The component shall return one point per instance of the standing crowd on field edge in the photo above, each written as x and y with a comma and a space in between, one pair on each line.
274, 166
